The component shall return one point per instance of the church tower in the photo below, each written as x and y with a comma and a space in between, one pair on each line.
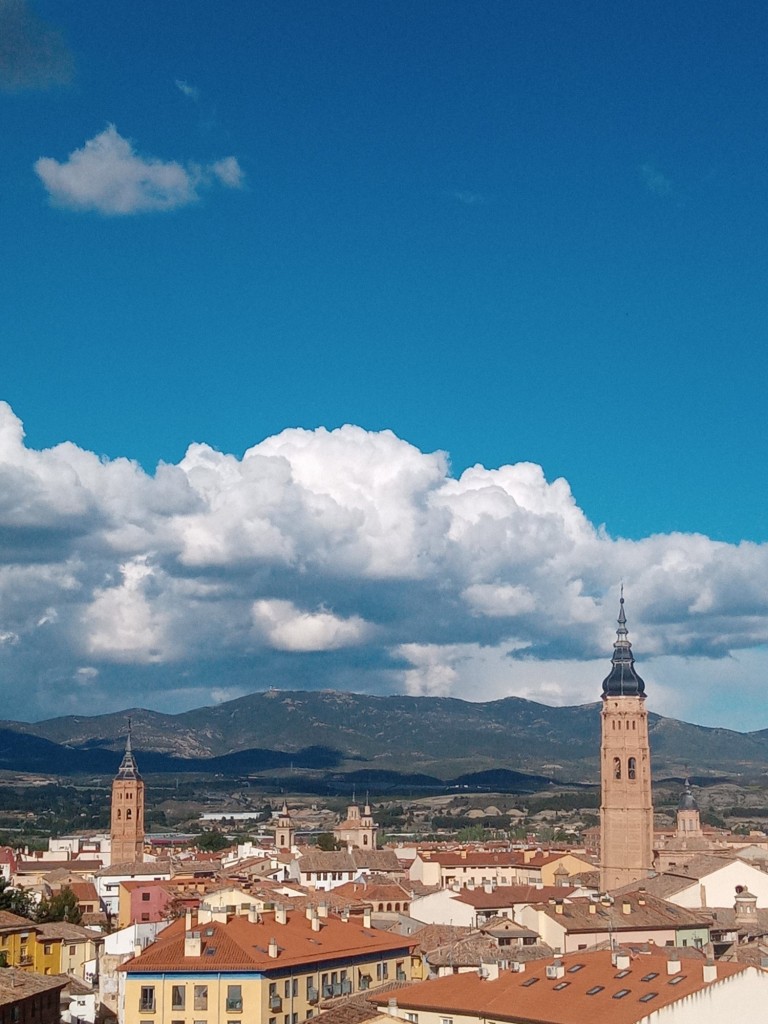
688, 817
285, 830
626, 808
127, 826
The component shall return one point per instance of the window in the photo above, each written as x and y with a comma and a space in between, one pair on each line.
234, 998
382, 972
145, 897
561, 985
72, 950
147, 999
446, 1020
617, 767
201, 997
650, 977
595, 989
47, 947
648, 997
621, 993
412, 1017
177, 997
632, 768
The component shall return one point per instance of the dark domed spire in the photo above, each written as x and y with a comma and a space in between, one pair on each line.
622, 680
687, 800
128, 768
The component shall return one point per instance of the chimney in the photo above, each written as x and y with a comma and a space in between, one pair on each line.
592, 908
188, 919
253, 914
488, 887
673, 965
622, 961
626, 907
559, 907
710, 971
392, 1007
322, 909
310, 913
273, 950
367, 917
281, 917
316, 926
137, 948
345, 915
193, 944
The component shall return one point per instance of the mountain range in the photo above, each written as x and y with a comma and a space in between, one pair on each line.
358, 736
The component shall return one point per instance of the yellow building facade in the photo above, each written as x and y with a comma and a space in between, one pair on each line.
274, 968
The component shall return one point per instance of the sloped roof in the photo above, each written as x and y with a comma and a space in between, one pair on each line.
240, 945
644, 912
16, 984
530, 995
509, 895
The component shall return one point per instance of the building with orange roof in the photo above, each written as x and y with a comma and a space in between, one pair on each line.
589, 988
258, 968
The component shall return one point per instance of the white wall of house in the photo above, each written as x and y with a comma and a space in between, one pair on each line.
442, 907
718, 889
741, 998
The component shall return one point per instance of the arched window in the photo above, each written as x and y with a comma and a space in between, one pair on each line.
119, 814
632, 768
128, 814
617, 767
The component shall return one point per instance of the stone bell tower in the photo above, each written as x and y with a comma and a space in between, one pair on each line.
626, 807
127, 823
284, 833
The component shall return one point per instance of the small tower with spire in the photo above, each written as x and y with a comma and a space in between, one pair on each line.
688, 816
127, 819
626, 808
284, 833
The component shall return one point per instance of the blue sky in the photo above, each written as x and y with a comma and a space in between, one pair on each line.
512, 232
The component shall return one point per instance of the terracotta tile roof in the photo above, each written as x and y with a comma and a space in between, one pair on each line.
240, 945
431, 936
9, 920
139, 867
370, 891
350, 860
509, 895
478, 949
644, 912
85, 892
16, 984
531, 996
66, 932
81, 867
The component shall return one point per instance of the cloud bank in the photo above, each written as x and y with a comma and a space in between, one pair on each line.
108, 176
346, 559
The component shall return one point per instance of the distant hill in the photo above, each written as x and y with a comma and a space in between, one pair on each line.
332, 732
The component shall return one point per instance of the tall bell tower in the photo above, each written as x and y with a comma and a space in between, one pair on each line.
626, 807
127, 823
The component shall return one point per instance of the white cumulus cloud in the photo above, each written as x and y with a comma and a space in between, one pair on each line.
346, 558
287, 628
109, 176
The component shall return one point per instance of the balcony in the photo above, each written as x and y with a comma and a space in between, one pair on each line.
312, 994
327, 991
275, 1003
236, 1005
346, 987
400, 975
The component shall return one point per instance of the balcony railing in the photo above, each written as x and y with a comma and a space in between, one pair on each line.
275, 1003
400, 975
346, 987
312, 995
235, 1005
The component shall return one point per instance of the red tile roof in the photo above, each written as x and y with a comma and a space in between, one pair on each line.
509, 895
240, 945
531, 996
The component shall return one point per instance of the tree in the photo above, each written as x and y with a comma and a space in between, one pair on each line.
16, 901
60, 907
325, 841
212, 842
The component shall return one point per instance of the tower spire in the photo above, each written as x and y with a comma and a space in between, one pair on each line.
622, 680
128, 768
